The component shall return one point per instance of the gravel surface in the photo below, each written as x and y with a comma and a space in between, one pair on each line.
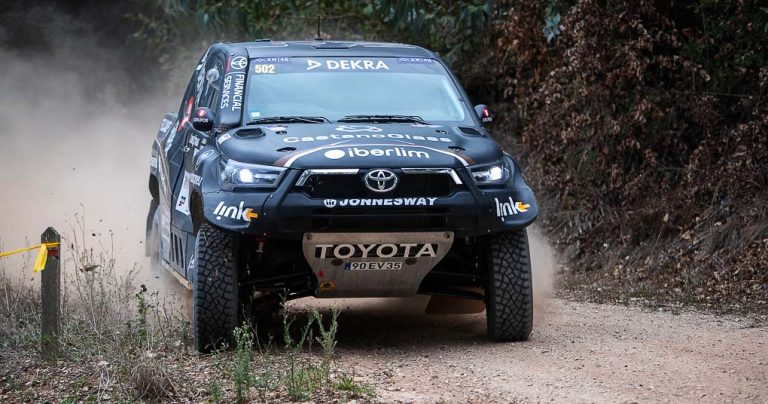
578, 352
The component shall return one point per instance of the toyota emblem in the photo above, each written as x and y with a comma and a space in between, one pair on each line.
238, 62
380, 180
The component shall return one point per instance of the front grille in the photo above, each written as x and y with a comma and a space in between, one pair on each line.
352, 186
405, 218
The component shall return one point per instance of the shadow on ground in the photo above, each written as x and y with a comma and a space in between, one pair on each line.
394, 323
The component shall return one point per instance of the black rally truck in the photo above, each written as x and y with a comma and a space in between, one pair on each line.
335, 169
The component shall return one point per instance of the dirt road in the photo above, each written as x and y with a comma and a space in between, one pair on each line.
578, 352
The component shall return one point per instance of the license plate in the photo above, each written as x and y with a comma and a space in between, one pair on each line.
373, 266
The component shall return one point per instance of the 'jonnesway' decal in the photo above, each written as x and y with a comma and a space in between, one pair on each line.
332, 203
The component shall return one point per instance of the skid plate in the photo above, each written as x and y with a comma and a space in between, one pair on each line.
373, 264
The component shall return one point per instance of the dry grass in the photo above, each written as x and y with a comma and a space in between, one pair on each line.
122, 341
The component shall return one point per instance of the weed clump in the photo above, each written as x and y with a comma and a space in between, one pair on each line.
139, 340
149, 380
242, 373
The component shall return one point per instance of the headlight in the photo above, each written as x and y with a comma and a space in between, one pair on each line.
234, 174
492, 174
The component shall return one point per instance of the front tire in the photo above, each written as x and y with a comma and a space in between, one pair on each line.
215, 300
509, 294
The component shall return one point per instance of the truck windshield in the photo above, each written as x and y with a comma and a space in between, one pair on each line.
339, 87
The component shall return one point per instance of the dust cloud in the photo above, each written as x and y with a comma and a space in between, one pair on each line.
73, 152
544, 266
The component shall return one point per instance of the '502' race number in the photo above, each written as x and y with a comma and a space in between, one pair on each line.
261, 69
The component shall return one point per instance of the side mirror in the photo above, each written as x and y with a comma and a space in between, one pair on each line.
212, 75
203, 119
483, 113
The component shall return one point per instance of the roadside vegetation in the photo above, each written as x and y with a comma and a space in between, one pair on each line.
124, 341
643, 125
645, 128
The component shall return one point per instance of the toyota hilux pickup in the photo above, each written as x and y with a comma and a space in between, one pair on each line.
335, 169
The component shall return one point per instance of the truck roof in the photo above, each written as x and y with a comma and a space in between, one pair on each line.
268, 48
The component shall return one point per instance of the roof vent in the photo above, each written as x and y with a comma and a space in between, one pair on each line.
333, 45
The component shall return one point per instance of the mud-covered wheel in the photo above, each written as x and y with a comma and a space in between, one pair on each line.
215, 303
509, 294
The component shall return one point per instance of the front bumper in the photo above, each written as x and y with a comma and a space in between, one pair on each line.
288, 212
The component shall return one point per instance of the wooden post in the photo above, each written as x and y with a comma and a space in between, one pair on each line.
50, 292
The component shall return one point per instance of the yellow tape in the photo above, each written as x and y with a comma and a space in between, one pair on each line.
42, 254
5, 254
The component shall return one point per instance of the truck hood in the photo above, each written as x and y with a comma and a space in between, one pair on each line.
359, 145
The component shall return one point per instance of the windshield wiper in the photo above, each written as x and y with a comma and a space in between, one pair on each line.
383, 119
289, 119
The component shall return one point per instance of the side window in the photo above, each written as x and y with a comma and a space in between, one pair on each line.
193, 93
185, 110
212, 89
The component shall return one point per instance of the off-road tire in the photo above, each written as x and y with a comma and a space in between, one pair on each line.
215, 292
509, 294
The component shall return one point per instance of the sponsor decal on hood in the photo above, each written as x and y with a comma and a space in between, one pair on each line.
402, 143
358, 128
394, 136
372, 151
335, 154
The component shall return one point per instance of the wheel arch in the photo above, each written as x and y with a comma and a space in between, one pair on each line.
154, 190
196, 211
154, 187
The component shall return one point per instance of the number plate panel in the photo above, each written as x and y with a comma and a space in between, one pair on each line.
373, 264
